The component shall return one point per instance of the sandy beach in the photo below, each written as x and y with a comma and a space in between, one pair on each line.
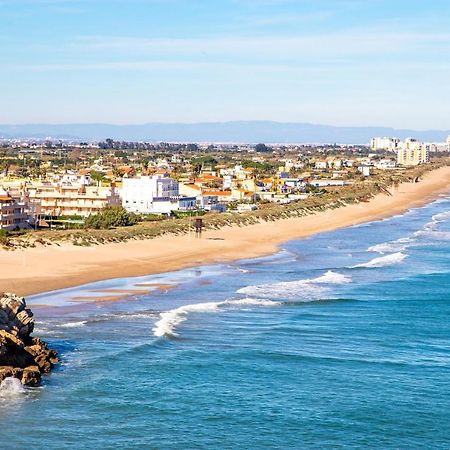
44, 269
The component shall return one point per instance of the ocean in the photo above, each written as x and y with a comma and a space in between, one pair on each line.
338, 341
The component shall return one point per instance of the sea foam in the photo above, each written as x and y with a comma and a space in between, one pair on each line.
301, 290
382, 261
11, 388
398, 245
434, 234
441, 217
78, 324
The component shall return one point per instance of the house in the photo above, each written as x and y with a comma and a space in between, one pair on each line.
385, 164
210, 203
189, 189
365, 169
320, 165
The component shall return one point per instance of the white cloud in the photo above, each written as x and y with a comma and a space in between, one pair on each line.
356, 43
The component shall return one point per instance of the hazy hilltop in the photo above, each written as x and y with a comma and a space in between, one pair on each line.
237, 131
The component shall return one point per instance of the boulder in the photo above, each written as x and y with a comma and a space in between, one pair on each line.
21, 355
31, 376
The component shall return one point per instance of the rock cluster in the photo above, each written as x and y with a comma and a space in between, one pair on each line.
21, 356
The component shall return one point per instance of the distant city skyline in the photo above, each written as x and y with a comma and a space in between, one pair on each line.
337, 62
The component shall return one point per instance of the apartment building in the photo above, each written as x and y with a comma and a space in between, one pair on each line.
384, 143
12, 213
412, 153
71, 199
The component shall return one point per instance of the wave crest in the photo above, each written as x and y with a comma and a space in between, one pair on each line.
306, 290
398, 245
382, 261
170, 320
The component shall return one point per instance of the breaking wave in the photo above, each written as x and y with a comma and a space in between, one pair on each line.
11, 388
170, 320
429, 230
398, 245
78, 324
382, 261
306, 290
435, 235
441, 217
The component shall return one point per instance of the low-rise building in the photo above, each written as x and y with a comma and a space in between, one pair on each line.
385, 164
365, 169
71, 200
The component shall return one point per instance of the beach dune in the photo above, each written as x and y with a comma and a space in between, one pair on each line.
43, 269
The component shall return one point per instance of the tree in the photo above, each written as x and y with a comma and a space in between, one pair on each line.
262, 148
97, 176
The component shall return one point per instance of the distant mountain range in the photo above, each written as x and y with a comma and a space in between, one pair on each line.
238, 131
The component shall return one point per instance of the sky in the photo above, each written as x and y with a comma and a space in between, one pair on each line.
337, 62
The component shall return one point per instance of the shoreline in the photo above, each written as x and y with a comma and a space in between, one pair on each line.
38, 270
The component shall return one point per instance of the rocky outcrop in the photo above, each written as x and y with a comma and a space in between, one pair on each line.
21, 356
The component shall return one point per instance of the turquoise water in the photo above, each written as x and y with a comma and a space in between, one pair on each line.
338, 341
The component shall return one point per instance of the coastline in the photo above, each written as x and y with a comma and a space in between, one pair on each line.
43, 269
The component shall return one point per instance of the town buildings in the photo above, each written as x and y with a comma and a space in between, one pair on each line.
73, 183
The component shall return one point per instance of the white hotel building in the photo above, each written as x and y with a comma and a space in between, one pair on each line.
154, 194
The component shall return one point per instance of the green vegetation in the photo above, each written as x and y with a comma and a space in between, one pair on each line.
117, 225
262, 148
111, 217
182, 214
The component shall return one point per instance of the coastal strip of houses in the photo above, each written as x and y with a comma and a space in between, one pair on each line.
77, 194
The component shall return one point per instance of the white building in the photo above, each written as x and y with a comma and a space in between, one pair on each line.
385, 164
434, 147
150, 194
328, 182
384, 143
365, 169
320, 165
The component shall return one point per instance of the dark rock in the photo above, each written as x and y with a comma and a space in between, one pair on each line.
31, 376
21, 356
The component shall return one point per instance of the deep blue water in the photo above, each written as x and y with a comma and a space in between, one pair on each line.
338, 341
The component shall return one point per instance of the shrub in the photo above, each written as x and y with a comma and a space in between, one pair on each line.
4, 238
110, 217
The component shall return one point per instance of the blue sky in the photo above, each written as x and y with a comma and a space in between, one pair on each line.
340, 62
